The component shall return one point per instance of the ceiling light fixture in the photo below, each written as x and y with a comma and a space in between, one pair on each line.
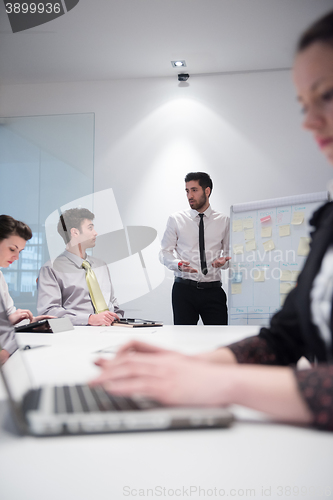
178, 64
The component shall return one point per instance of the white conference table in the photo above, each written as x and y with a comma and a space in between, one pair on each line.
254, 458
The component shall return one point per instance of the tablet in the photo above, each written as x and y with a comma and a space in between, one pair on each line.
37, 326
136, 323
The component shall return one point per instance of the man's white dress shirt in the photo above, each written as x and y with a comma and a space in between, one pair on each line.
181, 242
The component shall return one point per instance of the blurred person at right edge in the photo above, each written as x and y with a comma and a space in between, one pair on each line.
259, 372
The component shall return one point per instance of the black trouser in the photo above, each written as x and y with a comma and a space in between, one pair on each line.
188, 303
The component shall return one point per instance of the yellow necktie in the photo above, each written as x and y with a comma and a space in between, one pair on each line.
94, 289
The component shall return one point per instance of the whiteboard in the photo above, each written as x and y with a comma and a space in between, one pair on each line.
269, 242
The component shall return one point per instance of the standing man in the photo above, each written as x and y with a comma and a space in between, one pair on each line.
78, 286
195, 246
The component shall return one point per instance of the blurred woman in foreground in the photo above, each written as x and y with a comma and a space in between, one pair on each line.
303, 327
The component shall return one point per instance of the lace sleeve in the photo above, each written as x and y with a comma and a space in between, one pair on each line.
253, 350
316, 387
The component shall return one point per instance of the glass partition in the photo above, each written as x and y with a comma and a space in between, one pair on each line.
45, 163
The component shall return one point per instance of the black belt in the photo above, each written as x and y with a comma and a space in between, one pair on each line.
199, 284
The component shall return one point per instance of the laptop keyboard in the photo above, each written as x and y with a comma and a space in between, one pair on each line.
80, 409
81, 399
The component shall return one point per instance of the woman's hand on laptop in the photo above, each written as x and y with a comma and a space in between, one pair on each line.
137, 346
41, 317
170, 378
132, 347
19, 315
221, 355
177, 380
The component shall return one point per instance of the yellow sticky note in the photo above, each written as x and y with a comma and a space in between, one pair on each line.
298, 218
294, 275
238, 249
266, 232
282, 299
285, 275
247, 223
236, 288
249, 234
237, 225
268, 245
285, 287
259, 275
284, 230
250, 245
303, 246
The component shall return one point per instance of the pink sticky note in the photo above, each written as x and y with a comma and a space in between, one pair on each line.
265, 219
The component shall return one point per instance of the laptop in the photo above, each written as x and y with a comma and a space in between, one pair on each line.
79, 409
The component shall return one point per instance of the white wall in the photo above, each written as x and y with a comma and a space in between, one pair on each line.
243, 129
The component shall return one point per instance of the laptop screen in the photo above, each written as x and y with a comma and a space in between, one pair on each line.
16, 377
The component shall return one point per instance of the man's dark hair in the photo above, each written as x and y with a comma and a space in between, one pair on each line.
320, 31
72, 218
203, 178
10, 226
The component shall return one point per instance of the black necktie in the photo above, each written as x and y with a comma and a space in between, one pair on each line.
202, 246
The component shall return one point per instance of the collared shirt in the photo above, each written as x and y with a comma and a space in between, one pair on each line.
321, 298
7, 332
63, 290
7, 300
181, 242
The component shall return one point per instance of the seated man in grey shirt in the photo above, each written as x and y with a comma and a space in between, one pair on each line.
63, 290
